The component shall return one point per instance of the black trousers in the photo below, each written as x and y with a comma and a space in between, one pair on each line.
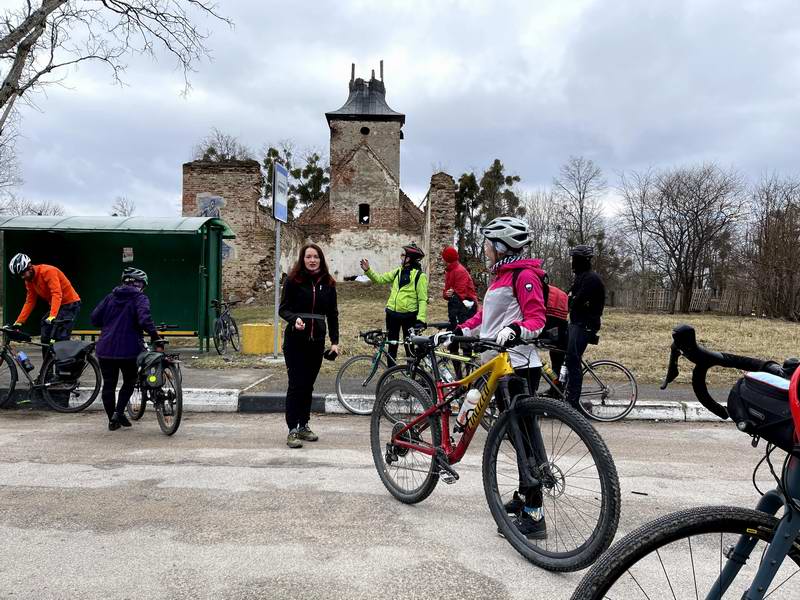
111, 368
303, 359
557, 356
579, 337
61, 332
394, 323
458, 313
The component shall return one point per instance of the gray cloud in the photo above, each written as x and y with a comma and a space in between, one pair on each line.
627, 83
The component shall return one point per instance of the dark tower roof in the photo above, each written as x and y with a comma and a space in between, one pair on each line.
367, 102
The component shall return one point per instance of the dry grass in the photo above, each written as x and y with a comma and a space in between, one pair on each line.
639, 341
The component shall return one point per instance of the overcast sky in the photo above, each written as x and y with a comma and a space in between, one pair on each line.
628, 83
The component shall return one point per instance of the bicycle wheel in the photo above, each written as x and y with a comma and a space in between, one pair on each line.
8, 379
681, 555
168, 401
357, 383
233, 333
71, 395
408, 474
609, 391
220, 337
580, 488
137, 403
407, 372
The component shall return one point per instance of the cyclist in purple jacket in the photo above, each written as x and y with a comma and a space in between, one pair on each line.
122, 316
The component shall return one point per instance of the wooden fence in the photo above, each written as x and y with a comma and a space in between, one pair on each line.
731, 301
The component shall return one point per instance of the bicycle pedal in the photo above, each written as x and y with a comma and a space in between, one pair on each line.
448, 478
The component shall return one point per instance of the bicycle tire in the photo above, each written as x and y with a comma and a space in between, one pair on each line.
398, 402
364, 383
628, 556
233, 333
419, 375
70, 397
169, 423
555, 473
7, 388
137, 404
220, 337
617, 393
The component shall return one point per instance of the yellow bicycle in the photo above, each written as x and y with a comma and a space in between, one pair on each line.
539, 449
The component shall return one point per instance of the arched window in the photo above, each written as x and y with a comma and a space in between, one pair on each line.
363, 214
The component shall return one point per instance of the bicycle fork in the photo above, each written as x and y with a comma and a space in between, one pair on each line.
787, 531
532, 449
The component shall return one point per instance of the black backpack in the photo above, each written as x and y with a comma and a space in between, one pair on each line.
544, 278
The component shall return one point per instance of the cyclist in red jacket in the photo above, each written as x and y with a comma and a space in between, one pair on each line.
459, 291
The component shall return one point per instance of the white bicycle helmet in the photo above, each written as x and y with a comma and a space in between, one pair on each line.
19, 264
132, 274
511, 231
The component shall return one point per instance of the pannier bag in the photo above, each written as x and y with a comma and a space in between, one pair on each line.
151, 369
70, 358
759, 405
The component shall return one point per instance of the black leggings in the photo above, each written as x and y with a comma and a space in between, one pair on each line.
110, 368
531, 377
394, 323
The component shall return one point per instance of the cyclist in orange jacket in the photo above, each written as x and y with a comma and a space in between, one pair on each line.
51, 285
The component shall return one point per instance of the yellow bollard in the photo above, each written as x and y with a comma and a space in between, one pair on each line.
258, 338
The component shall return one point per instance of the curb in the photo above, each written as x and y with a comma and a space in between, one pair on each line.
229, 400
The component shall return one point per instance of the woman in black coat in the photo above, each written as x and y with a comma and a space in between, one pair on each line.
307, 302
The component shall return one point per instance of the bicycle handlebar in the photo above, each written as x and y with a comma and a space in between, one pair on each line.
685, 343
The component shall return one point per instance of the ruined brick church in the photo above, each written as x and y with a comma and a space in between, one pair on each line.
365, 214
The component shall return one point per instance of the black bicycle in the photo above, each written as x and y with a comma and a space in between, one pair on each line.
717, 552
68, 381
226, 331
159, 381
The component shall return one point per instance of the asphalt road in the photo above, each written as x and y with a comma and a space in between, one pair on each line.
225, 510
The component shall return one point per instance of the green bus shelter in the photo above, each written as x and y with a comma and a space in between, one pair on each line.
182, 257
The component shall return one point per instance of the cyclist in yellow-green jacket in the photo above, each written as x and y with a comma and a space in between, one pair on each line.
408, 301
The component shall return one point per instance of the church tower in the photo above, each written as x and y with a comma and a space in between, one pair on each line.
365, 159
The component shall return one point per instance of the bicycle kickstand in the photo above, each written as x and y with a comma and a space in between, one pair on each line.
446, 472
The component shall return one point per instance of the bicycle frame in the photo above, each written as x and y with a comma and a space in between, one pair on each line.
785, 534
497, 368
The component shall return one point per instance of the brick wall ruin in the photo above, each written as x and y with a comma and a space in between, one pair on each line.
439, 230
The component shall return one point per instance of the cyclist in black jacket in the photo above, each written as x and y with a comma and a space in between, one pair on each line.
587, 298
307, 302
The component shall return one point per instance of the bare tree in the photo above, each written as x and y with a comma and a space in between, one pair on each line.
683, 213
579, 185
123, 207
41, 38
16, 207
774, 237
547, 228
9, 167
218, 146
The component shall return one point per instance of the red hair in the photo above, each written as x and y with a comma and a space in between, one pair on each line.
299, 273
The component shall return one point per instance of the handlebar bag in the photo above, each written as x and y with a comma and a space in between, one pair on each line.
70, 358
151, 369
759, 405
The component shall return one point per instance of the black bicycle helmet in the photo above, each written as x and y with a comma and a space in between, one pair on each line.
582, 250
132, 275
413, 251
511, 231
19, 264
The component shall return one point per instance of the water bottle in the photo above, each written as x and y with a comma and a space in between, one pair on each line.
446, 374
549, 372
25, 361
470, 401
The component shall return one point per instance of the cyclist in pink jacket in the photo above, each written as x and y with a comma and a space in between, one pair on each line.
514, 308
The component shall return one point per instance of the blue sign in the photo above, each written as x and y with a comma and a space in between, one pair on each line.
280, 192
